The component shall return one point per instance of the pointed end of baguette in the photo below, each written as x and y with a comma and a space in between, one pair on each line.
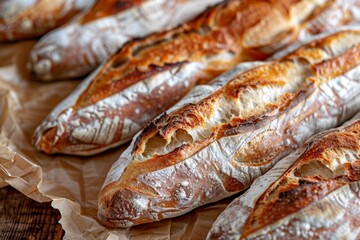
44, 141
122, 208
40, 63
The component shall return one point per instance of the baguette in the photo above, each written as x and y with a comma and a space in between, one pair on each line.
311, 194
23, 19
148, 76
79, 47
215, 147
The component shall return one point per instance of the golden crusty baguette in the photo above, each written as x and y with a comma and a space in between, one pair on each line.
148, 76
311, 194
22, 19
78, 48
216, 146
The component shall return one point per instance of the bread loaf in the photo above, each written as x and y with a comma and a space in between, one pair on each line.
216, 146
79, 47
148, 76
311, 194
22, 19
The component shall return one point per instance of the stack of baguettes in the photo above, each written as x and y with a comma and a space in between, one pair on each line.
236, 129
86, 32
149, 75
228, 131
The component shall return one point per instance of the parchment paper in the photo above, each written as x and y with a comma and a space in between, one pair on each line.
71, 183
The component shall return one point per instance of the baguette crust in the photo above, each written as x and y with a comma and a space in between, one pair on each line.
311, 194
22, 19
217, 146
79, 47
148, 76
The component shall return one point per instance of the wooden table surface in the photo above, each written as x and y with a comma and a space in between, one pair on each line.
24, 218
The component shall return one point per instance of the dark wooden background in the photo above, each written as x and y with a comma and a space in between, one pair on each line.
24, 218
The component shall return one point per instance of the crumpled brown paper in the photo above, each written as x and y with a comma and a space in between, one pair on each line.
71, 183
